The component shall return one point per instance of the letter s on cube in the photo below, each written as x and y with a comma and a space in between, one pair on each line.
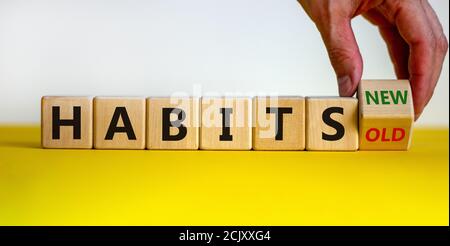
331, 123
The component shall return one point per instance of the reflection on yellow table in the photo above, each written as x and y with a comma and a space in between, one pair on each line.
110, 187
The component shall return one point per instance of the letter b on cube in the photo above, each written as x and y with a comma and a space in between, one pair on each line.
173, 122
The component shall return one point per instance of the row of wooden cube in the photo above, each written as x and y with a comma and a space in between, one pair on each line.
384, 121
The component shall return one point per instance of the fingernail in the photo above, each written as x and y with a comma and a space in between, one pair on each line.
344, 84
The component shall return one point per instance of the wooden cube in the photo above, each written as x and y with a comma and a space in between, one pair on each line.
332, 123
386, 114
226, 123
279, 123
119, 123
66, 122
173, 123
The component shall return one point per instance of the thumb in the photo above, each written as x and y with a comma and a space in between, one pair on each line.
344, 54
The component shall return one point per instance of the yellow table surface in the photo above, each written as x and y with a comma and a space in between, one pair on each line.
143, 187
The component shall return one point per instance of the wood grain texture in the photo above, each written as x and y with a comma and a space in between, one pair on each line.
191, 108
386, 114
316, 127
104, 108
240, 123
265, 126
66, 106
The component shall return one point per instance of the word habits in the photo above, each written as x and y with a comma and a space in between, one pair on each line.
380, 119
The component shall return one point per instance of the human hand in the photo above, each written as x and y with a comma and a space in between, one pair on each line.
413, 34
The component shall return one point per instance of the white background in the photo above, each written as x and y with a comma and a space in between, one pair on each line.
158, 47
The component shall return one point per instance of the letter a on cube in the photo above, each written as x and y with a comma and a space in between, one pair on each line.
119, 123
